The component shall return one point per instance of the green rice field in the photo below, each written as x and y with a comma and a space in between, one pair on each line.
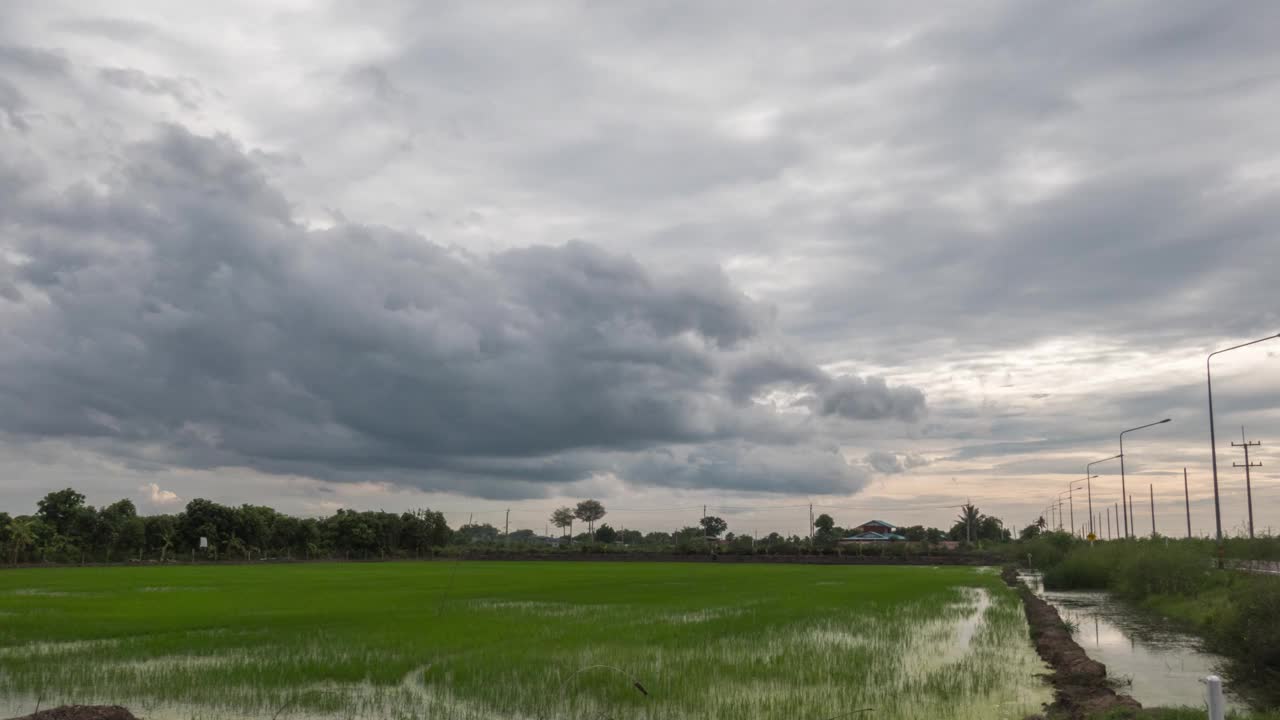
518, 640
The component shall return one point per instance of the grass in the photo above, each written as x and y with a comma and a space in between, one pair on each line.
504, 640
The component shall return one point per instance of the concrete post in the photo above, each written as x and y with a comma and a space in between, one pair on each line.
1217, 706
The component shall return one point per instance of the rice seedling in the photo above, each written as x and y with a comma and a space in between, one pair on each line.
519, 640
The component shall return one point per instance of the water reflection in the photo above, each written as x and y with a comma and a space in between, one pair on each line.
1156, 665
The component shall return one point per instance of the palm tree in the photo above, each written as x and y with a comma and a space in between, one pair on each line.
971, 517
1040, 523
23, 533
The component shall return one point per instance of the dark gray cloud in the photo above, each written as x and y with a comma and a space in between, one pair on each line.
12, 101
891, 463
180, 316
753, 468
36, 61
870, 398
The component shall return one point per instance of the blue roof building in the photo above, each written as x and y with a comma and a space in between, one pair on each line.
874, 531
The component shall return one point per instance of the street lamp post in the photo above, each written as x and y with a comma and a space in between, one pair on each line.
1123, 492
1213, 441
1071, 503
1088, 472
1064, 492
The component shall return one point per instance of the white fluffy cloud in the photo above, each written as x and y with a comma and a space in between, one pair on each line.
159, 497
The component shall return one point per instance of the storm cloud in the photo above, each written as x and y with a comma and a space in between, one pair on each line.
178, 312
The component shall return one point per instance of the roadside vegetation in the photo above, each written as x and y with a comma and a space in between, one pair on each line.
1236, 612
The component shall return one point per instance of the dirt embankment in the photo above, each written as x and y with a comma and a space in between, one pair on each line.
1080, 686
82, 712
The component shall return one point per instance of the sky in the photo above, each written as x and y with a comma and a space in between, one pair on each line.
879, 258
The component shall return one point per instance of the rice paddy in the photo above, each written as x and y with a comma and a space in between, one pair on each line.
530, 640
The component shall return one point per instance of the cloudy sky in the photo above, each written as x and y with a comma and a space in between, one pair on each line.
879, 257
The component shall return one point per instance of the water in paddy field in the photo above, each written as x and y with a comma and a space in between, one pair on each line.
1159, 666
811, 649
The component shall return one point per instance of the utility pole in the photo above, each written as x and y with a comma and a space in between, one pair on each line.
810, 523
1108, 523
1071, 505
1059, 511
506, 525
1129, 516
1186, 494
1151, 488
1213, 442
1248, 484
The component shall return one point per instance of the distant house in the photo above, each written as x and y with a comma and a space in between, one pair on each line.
876, 526
873, 531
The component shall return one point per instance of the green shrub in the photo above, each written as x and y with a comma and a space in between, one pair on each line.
1264, 547
1085, 568
1155, 568
1250, 630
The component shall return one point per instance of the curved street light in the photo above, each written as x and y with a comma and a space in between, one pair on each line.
1123, 491
1213, 441
1058, 501
1088, 472
1072, 500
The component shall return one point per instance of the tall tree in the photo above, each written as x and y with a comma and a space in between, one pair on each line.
161, 533
60, 510
589, 511
914, 533
992, 528
712, 526
478, 533
824, 523
563, 519
115, 521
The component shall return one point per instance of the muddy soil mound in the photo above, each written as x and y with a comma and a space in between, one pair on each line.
1080, 687
82, 712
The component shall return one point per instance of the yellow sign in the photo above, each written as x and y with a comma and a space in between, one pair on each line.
1092, 537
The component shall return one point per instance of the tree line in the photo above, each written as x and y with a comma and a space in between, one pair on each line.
64, 528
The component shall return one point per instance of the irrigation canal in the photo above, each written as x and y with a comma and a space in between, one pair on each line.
1153, 664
